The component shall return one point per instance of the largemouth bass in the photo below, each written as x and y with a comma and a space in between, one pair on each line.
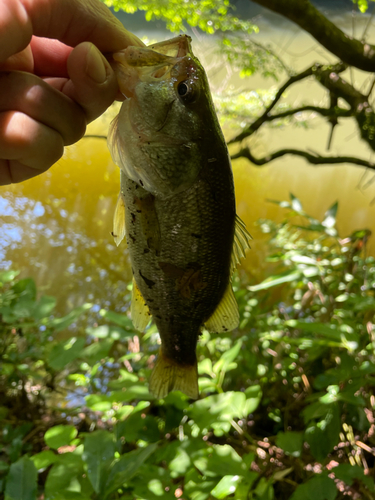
176, 205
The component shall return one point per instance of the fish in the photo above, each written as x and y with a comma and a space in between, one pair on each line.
176, 207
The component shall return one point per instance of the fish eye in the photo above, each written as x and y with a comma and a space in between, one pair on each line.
187, 91
182, 89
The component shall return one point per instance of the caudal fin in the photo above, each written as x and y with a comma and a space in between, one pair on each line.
170, 376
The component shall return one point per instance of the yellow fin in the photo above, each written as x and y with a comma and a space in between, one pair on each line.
119, 231
226, 316
240, 244
112, 141
139, 310
170, 376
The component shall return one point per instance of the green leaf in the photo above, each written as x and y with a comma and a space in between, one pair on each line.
227, 358
97, 350
63, 480
105, 331
180, 464
60, 435
330, 216
323, 435
44, 307
21, 481
99, 402
362, 5
43, 459
317, 488
61, 323
218, 408
219, 460
25, 288
348, 473
264, 490
290, 442
65, 352
125, 468
7, 276
118, 319
98, 455
277, 279
296, 204
226, 486
253, 396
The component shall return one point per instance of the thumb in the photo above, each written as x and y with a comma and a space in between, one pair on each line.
93, 84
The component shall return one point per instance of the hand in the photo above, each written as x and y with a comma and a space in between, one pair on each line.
53, 78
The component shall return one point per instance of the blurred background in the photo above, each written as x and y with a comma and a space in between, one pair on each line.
57, 227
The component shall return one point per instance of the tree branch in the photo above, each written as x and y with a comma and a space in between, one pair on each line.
314, 159
360, 107
327, 112
293, 79
302, 12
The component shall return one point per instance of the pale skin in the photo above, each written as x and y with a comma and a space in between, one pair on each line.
54, 78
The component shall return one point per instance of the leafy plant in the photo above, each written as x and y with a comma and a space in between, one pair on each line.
286, 408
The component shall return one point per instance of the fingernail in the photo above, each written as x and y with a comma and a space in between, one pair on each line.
95, 67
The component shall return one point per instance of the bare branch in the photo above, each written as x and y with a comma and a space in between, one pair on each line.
358, 102
314, 159
296, 78
327, 112
351, 51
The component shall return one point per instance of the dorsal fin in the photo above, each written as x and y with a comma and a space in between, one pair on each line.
139, 310
226, 316
240, 244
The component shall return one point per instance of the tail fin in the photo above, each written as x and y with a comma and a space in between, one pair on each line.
170, 376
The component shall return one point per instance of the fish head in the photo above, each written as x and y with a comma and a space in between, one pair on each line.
168, 115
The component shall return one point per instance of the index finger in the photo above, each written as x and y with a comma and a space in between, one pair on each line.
70, 21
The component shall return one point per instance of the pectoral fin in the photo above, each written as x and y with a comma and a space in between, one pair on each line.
226, 316
119, 231
240, 244
139, 310
170, 376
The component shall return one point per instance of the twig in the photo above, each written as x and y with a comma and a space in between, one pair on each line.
314, 159
296, 78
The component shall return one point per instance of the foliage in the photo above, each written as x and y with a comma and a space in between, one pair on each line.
211, 17
208, 15
286, 408
362, 4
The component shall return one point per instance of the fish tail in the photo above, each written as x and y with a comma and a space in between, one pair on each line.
168, 375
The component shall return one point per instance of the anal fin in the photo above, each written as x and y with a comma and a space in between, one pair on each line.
170, 376
139, 310
226, 316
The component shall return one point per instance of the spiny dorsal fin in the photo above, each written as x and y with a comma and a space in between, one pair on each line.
119, 231
139, 310
226, 316
240, 244
170, 376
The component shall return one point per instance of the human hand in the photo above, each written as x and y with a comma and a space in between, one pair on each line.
53, 78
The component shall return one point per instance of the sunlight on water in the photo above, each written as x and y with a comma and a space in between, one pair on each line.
57, 226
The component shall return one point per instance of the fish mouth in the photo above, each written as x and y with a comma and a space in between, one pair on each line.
149, 63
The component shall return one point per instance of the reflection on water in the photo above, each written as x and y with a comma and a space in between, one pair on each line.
57, 226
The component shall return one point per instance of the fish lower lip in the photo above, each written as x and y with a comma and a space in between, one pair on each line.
166, 116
